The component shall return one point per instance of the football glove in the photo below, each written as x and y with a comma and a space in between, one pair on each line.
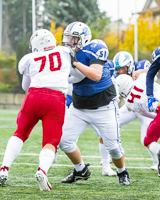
152, 103
73, 57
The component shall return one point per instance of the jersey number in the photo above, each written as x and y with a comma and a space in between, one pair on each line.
134, 95
51, 61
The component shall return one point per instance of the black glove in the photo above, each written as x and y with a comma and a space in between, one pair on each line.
73, 57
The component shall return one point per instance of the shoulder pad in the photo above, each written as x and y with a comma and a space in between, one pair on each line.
66, 49
156, 54
99, 51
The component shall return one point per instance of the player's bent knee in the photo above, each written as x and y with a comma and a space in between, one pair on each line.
20, 136
116, 153
52, 142
67, 147
147, 141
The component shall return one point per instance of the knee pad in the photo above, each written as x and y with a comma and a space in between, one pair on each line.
67, 147
116, 153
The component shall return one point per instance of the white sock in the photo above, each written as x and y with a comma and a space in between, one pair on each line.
79, 167
13, 148
104, 153
46, 157
153, 150
120, 170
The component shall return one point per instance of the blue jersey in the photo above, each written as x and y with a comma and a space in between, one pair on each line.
111, 67
143, 64
155, 67
89, 54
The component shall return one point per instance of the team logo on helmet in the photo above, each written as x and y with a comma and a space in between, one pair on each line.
85, 31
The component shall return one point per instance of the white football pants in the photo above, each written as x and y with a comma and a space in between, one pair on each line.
104, 118
129, 116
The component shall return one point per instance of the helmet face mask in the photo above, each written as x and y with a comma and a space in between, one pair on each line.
76, 35
123, 59
71, 40
42, 40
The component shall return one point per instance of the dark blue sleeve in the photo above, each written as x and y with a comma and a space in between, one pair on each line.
154, 68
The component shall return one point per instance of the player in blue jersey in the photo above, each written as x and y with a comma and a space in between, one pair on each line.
155, 67
153, 132
93, 103
123, 62
106, 168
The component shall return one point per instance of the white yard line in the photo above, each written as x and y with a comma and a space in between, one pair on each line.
62, 165
36, 154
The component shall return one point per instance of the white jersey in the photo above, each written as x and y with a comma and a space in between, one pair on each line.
137, 100
49, 69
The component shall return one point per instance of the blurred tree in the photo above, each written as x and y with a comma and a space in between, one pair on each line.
56, 32
67, 11
19, 21
111, 40
148, 37
22, 49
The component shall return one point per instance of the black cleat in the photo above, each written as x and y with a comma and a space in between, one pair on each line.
124, 178
158, 155
75, 176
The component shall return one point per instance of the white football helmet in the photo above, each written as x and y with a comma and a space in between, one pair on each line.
124, 59
124, 83
76, 35
98, 41
42, 40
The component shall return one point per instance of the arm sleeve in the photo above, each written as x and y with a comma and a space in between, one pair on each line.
75, 72
149, 114
26, 82
24, 64
154, 68
73, 79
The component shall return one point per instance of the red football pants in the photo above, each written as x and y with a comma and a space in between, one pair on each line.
153, 131
46, 105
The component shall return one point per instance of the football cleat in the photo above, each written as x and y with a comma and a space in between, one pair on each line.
3, 175
107, 171
42, 180
124, 178
154, 167
158, 155
75, 176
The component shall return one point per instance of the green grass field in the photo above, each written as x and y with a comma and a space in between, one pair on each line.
145, 183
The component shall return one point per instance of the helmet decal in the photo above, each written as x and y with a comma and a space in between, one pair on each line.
127, 57
85, 31
117, 61
71, 26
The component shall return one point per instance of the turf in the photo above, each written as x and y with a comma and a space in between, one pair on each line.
22, 183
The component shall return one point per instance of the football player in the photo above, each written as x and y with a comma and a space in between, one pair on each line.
106, 169
94, 102
45, 75
123, 62
135, 96
153, 101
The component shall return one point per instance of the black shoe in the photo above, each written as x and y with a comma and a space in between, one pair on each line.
75, 176
124, 178
158, 154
